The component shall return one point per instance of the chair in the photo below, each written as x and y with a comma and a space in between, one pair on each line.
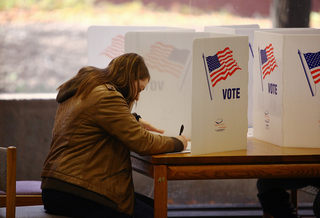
8, 161
27, 193
312, 190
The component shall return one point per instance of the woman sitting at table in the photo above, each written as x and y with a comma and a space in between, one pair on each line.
88, 170
275, 200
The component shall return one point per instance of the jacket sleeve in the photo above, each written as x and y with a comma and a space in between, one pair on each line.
115, 117
136, 116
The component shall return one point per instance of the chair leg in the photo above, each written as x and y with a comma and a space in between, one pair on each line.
294, 198
11, 182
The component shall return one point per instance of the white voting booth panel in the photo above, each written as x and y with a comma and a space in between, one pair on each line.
166, 101
107, 42
247, 30
286, 100
220, 94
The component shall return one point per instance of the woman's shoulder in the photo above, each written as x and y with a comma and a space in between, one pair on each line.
106, 90
106, 94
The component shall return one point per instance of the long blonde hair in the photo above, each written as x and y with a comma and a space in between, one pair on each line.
122, 72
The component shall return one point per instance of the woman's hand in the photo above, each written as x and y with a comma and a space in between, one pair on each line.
146, 125
184, 140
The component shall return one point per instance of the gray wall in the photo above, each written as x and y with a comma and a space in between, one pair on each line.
27, 124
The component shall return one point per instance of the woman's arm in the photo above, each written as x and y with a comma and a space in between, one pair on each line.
147, 126
114, 116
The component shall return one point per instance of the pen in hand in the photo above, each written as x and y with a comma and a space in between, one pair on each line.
181, 129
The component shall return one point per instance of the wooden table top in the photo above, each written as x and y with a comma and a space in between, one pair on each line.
257, 152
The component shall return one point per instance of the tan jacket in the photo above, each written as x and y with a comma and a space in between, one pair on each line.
91, 144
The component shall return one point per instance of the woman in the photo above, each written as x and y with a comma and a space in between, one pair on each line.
88, 170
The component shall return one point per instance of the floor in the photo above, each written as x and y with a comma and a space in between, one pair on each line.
227, 211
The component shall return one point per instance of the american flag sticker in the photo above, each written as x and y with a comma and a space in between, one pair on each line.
219, 67
116, 48
267, 62
311, 65
167, 59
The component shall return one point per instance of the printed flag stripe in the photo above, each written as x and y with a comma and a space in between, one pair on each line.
230, 64
316, 76
223, 76
221, 66
268, 60
116, 48
167, 58
313, 61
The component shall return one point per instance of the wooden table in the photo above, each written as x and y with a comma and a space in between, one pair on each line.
259, 160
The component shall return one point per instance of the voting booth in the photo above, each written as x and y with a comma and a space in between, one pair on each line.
107, 42
286, 78
247, 30
166, 101
219, 94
